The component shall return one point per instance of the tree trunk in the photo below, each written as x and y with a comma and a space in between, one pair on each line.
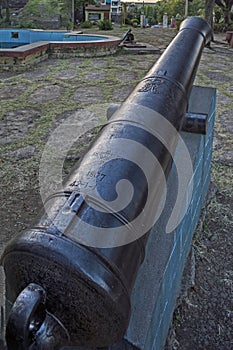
8, 20
209, 8
1, 9
226, 6
227, 12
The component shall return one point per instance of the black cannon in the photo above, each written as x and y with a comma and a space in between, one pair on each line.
128, 37
70, 277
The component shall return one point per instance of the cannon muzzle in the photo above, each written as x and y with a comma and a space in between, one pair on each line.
70, 277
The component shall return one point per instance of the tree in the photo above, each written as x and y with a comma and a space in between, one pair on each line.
209, 9
226, 6
36, 12
79, 9
177, 7
4, 4
195, 8
8, 18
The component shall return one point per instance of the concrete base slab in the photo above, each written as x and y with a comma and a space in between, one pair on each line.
141, 48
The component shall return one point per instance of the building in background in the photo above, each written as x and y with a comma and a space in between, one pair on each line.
95, 13
116, 11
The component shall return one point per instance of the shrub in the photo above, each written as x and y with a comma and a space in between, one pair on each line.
69, 25
28, 24
178, 22
151, 21
134, 22
86, 24
105, 25
222, 27
39, 13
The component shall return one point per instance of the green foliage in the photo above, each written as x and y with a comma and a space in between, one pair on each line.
66, 9
176, 8
150, 13
151, 20
3, 21
134, 22
27, 24
179, 20
222, 27
105, 24
226, 9
218, 16
172, 8
196, 8
133, 13
35, 11
44, 8
86, 24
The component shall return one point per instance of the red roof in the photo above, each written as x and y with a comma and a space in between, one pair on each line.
98, 8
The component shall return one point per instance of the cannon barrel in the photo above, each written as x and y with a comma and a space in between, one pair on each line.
70, 277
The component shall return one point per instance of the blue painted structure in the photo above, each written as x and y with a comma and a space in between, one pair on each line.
10, 38
158, 282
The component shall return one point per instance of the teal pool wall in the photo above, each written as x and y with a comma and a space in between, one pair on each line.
10, 38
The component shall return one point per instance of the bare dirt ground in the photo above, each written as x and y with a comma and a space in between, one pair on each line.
33, 103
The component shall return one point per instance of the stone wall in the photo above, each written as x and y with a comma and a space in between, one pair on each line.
21, 58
